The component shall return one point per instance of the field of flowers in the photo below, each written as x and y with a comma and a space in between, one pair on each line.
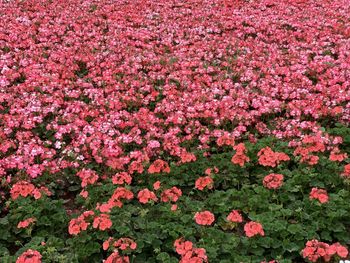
184, 131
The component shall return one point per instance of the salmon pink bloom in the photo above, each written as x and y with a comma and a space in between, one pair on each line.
253, 228
159, 166
87, 176
319, 194
121, 178
267, 157
116, 258
203, 182
273, 181
338, 249
171, 195
22, 188
102, 222
76, 225
30, 256
346, 172
240, 156
235, 217
125, 243
156, 185
145, 196
204, 218
182, 246
26, 223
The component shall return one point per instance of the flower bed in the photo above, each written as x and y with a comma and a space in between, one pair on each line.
174, 131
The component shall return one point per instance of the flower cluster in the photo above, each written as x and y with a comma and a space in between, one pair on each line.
235, 217
253, 228
273, 181
76, 225
23, 188
204, 218
315, 250
204, 182
189, 254
267, 157
240, 156
319, 194
146, 195
25, 223
29, 256
122, 244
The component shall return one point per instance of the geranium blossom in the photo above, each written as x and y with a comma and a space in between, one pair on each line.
30, 256
111, 96
253, 228
235, 217
273, 181
204, 182
319, 194
204, 218
145, 196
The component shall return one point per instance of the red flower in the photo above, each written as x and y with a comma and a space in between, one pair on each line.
182, 246
315, 250
102, 222
267, 157
336, 156
76, 225
338, 249
26, 223
240, 156
346, 172
159, 166
273, 181
125, 243
189, 254
203, 182
319, 194
22, 188
156, 185
87, 176
116, 258
121, 178
145, 196
235, 216
253, 228
30, 256
204, 218
171, 194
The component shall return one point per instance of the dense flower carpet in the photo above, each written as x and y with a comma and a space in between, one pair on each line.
184, 131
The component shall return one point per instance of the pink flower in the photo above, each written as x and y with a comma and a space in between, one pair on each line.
87, 176
25, 223
338, 249
121, 178
203, 182
171, 195
159, 166
204, 218
77, 225
253, 228
102, 222
235, 216
182, 246
273, 181
30, 256
116, 258
145, 196
156, 185
240, 156
319, 194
